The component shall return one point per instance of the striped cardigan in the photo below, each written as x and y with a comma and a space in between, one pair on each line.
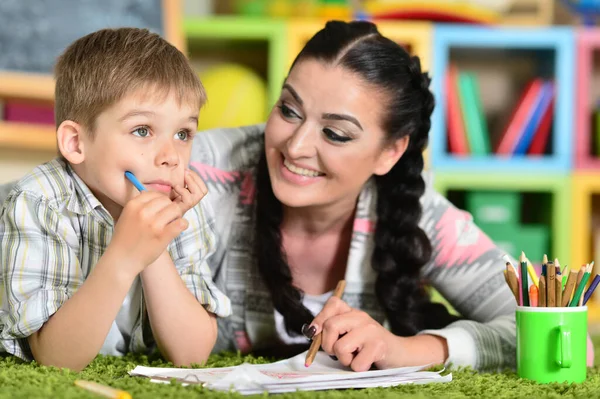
466, 267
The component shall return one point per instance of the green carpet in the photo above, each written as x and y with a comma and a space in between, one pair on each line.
28, 380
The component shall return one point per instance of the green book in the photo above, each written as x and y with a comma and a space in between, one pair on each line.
472, 111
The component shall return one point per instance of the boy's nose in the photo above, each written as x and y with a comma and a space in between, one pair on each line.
167, 156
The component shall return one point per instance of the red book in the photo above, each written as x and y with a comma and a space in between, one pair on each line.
457, 137
15, 111
521, 114
542, 134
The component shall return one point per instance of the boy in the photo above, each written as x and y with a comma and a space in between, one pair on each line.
89, 264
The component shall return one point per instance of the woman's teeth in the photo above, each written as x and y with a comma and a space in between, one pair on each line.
301, 171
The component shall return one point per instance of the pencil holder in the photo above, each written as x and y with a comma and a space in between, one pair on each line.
551, 343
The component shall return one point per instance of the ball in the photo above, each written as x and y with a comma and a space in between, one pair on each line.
237, 96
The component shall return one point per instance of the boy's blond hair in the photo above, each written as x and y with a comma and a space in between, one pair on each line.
101, 68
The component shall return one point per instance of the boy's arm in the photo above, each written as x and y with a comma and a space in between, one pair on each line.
64, 320
181, 298
74, 335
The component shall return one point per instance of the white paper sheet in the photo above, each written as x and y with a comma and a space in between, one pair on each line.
290, 375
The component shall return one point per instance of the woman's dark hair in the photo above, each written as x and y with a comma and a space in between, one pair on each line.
401, 246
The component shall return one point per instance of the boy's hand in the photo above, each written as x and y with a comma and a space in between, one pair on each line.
147, 225
193, 191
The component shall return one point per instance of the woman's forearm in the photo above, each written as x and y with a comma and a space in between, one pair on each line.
416, 351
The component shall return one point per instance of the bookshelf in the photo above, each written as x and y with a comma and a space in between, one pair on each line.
588, 47
529, 13
493, 43
586, 184
556, 187
267, 35
27, 136
416, 36
38, 88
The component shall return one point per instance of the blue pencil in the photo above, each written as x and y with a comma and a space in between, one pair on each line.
590, 291
135, 181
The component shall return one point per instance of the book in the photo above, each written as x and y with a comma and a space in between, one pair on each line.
514, 130
543, 101
542, 134
290, 375
457, 136
473, 116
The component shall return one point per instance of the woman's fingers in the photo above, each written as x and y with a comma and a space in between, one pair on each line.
373, 351
347, 346
333, 307
341, 324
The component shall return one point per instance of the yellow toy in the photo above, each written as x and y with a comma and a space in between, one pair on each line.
237, 96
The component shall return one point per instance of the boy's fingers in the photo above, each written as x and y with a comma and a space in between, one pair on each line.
167, 215
192, 183
184, 194
144, 197
199, 186
175, 228
151, 208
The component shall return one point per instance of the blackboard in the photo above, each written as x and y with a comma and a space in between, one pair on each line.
33, 33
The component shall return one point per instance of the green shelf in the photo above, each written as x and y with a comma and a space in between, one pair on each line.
557, 185
274, 32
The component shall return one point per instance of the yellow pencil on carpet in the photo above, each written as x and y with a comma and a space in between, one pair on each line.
106, 391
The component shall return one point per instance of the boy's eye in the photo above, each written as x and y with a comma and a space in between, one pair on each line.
182, 135
141, 132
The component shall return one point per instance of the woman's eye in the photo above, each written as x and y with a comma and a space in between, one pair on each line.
287, 111
331, 135
182, 135
141, 132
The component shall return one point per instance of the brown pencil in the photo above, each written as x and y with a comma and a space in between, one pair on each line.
557, 284
550, 285
316, 343
571, 280
542, 292
581, 273
512, 280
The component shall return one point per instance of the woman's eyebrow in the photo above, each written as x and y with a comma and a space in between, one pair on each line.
293, 93
327, 116
342, 117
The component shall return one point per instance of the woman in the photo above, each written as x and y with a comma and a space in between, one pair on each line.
332, 188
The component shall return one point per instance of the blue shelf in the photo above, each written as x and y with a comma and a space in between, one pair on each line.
559, 39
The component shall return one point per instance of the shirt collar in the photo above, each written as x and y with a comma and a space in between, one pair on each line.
82, 201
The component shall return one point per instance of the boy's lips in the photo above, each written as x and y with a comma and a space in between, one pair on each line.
159, 185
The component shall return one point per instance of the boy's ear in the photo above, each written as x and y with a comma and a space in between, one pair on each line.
390, 155
70, 144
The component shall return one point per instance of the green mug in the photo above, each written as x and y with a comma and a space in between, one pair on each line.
552, 343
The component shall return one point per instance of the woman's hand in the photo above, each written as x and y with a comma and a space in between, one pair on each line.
354, 337
360, 342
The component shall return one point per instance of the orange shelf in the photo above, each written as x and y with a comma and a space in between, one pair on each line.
29, 86
27, 136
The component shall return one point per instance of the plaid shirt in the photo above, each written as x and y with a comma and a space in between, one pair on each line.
53, 231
